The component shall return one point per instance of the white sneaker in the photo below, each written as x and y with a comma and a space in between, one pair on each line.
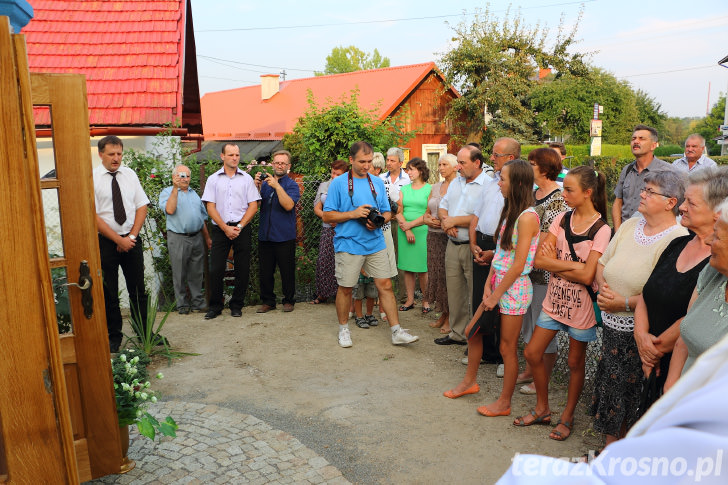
500, 370
401, 337
345, 338
351, 315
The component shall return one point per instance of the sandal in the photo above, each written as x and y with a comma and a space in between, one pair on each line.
543, 419
317, 301
426, 310
361, 322
405, 308
557, 435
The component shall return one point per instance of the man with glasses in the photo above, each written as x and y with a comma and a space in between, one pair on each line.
632, 178
277, 232
187, 240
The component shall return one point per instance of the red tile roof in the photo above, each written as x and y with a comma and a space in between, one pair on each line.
241, 114
132, 53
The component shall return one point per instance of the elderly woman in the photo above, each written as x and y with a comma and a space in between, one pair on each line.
437, 242
707, 319
622, 272
666, 294
325, 280
546, 164
412, 233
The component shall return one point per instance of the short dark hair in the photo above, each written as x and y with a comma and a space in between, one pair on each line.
476, 145
652, 131
547, 160
340, 165
109, 140
360, 146
420, 165
559, 146
475, 154
225, 145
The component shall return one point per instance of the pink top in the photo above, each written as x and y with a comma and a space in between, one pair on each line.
568, 302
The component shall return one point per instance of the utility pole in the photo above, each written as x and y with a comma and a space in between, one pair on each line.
724, 132
595, 131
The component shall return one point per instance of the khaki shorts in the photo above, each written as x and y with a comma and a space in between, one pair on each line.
349, 266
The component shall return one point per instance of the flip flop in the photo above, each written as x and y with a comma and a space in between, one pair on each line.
558, 436
317, 301
487, 412
474, 389
543, 419
426, 310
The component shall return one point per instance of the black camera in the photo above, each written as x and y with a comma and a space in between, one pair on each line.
263, 176
374, 217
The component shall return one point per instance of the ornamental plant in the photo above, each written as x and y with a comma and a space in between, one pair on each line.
133, 395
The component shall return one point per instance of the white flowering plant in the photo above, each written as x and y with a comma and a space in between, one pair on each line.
133, 395
254, 166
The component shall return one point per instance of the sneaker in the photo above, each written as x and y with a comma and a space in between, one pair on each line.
345, 338
361, 322
371, 320
401, 337
500, 370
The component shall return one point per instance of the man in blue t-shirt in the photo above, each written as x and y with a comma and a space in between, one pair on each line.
358, 241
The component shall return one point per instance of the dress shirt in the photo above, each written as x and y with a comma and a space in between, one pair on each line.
190, 214
630, 183
702, 162
276, 223
395, 187
231, 195
489, 210
132, 194
462, 198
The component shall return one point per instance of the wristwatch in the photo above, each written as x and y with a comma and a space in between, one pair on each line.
132, 237
239, 226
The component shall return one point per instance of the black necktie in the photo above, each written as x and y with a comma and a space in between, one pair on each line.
119, 212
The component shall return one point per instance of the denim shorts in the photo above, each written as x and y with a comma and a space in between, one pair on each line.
580, 334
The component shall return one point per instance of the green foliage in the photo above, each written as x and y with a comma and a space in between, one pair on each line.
676, 130
709, 126
325, 133
668, 150
148, 336
580, 153
350, 59
495, 65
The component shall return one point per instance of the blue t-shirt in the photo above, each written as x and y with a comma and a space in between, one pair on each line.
352, 236
276, 223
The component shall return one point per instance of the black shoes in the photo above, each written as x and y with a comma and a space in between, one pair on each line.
236, 312
446, 340
185, 310
211, 314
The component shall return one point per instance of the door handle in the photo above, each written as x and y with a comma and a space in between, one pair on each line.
85, 282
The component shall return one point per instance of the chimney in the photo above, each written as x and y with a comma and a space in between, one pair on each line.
269, 85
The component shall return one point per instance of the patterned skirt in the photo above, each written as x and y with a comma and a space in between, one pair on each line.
436, 284
326, 285
618, 383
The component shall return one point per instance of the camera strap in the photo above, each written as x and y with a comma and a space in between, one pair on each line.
351, 189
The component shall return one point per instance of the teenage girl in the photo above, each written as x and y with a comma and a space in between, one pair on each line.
568, 304
508, 285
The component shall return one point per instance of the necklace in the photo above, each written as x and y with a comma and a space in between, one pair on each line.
584, 224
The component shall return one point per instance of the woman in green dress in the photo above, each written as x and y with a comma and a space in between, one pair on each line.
412, 232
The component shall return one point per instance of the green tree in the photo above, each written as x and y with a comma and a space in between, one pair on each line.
565, 106
325, 133
350, 59
676, 130
495, 65
709, 127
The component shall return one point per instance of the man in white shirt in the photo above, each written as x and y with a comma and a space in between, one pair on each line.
695, 158
121, 207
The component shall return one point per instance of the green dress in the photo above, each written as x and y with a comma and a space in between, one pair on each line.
413, 257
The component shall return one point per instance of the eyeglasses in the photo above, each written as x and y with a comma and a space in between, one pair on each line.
497, 155
651, 192
183, 175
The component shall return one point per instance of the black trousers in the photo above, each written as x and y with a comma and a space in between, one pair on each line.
283, 255
490, 321
132, 265
218, 261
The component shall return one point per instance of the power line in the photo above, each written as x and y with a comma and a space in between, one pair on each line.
365, 22
213, 59
695, 68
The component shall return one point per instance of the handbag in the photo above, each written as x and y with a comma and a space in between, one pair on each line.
566, 224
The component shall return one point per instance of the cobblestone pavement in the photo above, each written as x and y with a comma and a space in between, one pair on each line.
219, 445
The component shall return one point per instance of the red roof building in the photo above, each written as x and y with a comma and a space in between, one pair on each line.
138, 57
270, 110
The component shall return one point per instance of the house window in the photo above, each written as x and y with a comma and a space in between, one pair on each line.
431, 153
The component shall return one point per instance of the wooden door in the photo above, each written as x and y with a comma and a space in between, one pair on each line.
59, 349
70, 223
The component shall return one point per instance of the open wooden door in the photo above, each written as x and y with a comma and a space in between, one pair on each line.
69, 426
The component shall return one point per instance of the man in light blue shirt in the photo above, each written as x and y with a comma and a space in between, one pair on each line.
455, 212
187, 239
695, 158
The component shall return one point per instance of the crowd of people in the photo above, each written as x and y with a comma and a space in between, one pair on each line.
507, 250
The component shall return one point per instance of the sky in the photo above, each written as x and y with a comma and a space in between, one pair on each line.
669, 48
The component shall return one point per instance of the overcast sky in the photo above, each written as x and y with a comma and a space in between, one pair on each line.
668, 48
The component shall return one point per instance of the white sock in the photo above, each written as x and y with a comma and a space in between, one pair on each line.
394, 329
344, 326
